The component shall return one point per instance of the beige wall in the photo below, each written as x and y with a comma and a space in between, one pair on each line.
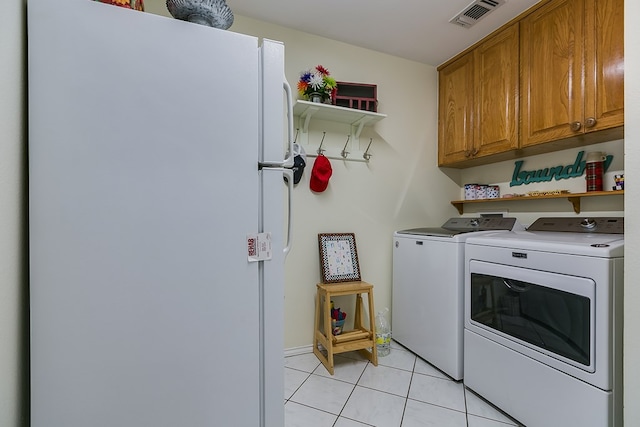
12, 213
400, 188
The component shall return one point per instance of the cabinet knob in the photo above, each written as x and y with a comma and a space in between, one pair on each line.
474, 152
467, 153
576, 126
590, 122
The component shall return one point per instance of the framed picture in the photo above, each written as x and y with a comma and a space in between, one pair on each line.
338, 257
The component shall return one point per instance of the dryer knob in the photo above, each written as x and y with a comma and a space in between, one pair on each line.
588, 223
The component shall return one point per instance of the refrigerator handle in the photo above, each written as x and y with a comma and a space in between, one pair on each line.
288, 162
289, 174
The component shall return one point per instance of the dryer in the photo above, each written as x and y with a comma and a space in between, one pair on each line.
543, 321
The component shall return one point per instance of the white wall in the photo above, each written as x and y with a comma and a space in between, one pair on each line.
632, 214
12, 214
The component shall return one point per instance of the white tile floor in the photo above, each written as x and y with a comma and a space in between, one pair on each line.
402, 391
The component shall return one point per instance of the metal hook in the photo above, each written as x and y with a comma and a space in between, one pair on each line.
320, 150
344, 153
366, 154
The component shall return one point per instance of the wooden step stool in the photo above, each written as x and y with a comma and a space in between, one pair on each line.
360, 338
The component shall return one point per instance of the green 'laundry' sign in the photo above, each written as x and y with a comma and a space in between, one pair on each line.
556, 172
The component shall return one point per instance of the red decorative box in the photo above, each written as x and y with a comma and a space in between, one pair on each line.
129, 4
356, 95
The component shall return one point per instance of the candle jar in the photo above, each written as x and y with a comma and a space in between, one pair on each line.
595, 170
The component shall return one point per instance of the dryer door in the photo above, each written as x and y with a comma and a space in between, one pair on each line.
549, 313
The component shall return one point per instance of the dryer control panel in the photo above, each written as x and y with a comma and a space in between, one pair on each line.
603, 225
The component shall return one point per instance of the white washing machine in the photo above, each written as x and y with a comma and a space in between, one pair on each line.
428, 288
543, 321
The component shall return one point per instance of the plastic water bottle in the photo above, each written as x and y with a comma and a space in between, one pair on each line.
383, 334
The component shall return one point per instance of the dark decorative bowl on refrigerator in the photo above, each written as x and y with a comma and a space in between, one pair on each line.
213, 13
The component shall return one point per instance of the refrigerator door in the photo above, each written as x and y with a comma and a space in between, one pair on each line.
143, 187
271, 152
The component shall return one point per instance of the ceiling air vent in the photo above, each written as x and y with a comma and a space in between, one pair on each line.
475, 12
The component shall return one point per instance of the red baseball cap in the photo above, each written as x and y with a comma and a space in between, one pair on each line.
320, 174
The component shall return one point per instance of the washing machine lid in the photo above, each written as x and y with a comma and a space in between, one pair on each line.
433, 231
456, 226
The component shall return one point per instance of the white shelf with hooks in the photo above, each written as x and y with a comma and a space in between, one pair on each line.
358, 119
344, 154
304, 111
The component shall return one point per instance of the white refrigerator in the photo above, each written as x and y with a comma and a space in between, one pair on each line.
158, 220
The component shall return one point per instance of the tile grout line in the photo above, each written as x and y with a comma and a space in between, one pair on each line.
298, 388
511, 422
313, 407
466, 408
406, 400
351, 394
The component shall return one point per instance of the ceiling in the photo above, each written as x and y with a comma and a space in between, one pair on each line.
418, 30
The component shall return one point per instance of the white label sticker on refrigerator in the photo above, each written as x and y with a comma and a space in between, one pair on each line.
259, 247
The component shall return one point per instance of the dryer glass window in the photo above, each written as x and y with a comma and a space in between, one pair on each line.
548, 318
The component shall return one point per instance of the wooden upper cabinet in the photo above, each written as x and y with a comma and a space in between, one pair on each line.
497, 78
478, 101
572, 69
555, 74
455, 118
552, 54
604, 54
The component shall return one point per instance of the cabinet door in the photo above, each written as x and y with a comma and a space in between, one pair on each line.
552, 49
497, 75
604, 64
455, 111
